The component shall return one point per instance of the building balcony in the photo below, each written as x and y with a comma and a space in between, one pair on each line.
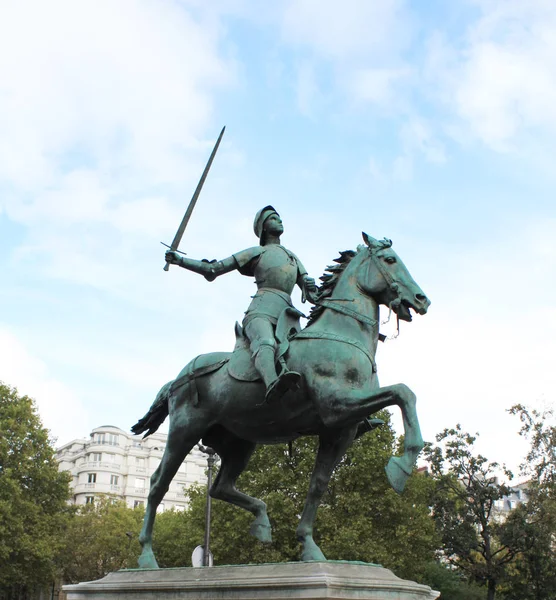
104, 443
99, 466
97, 488
81, 488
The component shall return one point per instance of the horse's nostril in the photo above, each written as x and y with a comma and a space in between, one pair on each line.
420, 297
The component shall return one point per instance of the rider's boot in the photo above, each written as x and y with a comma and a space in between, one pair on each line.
276, 386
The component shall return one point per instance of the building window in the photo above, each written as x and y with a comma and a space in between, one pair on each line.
139, 482
138, 503
108, 457
114, 479
95, 457
92, 478
111, 439
137, 444
89, 499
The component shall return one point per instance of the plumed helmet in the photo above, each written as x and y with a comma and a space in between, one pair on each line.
260, 218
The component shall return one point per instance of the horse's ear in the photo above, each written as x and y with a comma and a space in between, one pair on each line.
370, 241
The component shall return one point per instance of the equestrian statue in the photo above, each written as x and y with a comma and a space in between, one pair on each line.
282, 382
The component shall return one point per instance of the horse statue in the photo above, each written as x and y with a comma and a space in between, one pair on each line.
339, 389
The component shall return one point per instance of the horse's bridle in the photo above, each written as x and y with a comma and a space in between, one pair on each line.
342, 308
390, 281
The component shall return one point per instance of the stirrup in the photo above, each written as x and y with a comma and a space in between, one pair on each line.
285, 382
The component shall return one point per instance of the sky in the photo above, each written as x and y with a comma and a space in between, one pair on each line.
430, 123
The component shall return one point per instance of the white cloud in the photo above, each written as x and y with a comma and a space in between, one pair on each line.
103, 109
417, 136
501, 82
488, 341
60, 408
122, 84
360, 41
351, 30
417, 139
379, 86
307, 88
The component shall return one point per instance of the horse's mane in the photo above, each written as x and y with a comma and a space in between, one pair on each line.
329, 280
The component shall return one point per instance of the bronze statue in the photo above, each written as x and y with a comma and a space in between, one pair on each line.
276, 271
219, 399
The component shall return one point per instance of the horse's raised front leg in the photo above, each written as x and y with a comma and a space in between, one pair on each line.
332, 446
235, 454
399, 468
357, 405
184, 432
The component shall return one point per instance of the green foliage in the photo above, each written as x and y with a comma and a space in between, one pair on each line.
451, 583
464, 509
361, 517
175, 538
540, 430
101, 538
33, 497
532, 526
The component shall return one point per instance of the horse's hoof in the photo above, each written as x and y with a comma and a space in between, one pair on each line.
147, 561
261, 532
397, 474
312, 552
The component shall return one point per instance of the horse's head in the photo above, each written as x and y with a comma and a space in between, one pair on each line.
387, 279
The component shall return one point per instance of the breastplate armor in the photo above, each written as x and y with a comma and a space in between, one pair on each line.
276, 269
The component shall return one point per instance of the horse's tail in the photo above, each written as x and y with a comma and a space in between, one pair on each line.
157, 413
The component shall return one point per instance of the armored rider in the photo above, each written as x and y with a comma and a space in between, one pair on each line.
276, 271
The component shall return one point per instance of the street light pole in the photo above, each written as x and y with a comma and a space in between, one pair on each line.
211, 459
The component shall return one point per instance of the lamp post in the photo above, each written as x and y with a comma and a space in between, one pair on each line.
211, 459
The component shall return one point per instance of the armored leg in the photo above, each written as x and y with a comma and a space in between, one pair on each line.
260, 333
264, 355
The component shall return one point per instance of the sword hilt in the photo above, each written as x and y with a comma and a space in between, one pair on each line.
167, 265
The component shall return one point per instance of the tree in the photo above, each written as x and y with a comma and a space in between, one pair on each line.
101, 538
464, 509
33, 498
174, 537
539, 429
361, 517
532, 525
451, 583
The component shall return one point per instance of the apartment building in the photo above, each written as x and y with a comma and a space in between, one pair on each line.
120, 464
518, 495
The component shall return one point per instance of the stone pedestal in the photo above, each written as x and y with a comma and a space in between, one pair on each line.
334, 580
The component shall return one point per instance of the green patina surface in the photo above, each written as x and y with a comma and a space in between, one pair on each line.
321, 381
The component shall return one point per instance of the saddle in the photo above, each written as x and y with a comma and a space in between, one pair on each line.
241, 365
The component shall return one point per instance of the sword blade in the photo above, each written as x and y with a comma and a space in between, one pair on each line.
193, 201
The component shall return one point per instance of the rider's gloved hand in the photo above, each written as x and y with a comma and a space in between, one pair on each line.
310, 289
172, 257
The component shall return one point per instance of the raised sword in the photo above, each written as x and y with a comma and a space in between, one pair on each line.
187, 216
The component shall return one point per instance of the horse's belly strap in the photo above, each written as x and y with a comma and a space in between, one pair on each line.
334, 337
